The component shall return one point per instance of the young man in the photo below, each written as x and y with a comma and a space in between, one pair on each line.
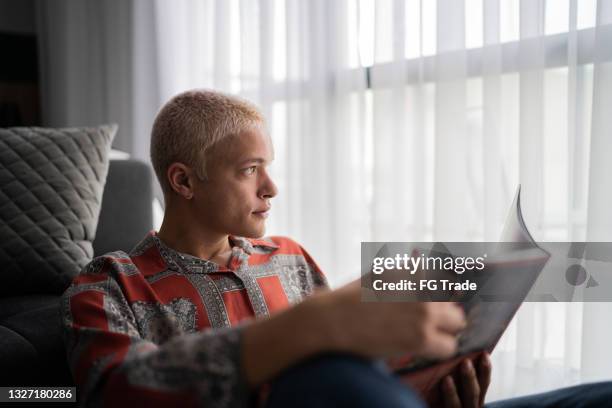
207, 313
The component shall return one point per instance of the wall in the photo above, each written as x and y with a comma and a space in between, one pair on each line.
17, 16
19, 88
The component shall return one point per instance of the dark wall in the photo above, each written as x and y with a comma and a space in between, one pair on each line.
19, 87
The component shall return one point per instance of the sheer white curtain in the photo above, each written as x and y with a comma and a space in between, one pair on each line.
398, 120
486, 95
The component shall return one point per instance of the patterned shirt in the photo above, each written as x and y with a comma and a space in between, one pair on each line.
158, 327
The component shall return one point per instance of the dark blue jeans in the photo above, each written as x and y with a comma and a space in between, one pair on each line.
340, 381
579, 396
346, 381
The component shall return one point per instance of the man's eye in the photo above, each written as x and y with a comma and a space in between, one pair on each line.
250, 170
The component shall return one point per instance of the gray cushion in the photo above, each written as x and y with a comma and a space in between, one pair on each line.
51, 183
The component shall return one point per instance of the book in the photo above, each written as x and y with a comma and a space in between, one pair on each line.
510, 273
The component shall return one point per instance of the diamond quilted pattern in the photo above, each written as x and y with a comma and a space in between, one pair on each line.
51, 184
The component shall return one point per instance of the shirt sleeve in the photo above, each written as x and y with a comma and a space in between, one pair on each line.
113, 364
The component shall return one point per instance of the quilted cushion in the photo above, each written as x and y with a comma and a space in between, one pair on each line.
51, 183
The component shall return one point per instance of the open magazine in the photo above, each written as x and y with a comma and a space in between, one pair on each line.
510, 273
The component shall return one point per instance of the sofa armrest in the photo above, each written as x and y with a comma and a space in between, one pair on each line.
126, 214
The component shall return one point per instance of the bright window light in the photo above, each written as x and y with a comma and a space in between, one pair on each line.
235, 48
279, 47
383, 28
412, 23
366, 32
473, 23
509, 16
587, 12
557, 17
430, 25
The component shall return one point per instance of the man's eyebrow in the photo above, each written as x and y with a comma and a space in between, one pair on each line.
257, 160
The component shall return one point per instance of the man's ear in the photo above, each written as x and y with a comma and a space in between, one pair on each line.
180, 179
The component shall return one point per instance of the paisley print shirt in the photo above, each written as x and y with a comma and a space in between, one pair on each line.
157, 327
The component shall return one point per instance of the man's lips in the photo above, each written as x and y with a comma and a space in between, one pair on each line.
262, 213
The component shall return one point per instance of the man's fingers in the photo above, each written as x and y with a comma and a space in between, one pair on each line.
451, 318
449, 393
441, 345
470, 388
484, 375
444, 320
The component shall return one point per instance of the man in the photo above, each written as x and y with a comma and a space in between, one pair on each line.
207, 313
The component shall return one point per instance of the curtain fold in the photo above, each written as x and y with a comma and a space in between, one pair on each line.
595, 352
85, 77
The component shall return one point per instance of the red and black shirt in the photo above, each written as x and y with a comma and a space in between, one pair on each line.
157, 327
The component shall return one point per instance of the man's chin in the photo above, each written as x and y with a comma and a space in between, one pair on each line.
254, 232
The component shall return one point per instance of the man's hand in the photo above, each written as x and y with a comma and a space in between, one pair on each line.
384, 329
472, 384
339, 321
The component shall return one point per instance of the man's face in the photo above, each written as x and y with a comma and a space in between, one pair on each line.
235, 198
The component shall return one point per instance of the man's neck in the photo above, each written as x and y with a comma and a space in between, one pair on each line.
192, 239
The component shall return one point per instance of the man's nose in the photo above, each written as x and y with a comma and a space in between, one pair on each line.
267, 189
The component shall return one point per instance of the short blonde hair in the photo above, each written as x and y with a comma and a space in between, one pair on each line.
191, 123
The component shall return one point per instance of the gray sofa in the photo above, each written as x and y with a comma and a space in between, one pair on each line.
31, 347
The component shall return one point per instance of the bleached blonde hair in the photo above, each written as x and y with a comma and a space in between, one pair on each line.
191, 123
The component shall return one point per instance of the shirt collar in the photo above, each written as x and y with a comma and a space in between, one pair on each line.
173, 257
249, 244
